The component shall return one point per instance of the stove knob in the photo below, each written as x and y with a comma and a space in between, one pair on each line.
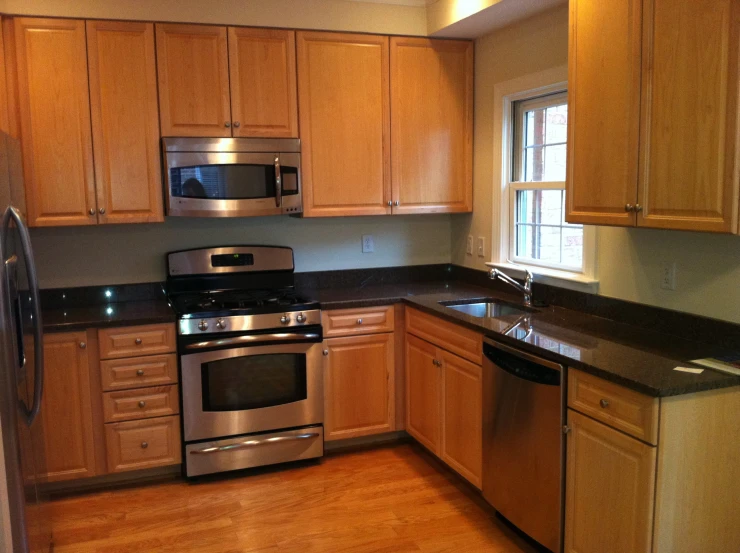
203, 325
221, 324
301, 318
285, 319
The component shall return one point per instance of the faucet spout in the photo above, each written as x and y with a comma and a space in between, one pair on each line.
525, 289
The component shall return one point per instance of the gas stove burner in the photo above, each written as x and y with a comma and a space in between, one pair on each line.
241, 300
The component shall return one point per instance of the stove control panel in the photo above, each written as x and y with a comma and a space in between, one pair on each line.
246, 323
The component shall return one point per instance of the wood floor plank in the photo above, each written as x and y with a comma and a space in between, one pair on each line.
392, 499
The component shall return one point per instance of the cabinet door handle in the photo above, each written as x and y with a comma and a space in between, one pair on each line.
629, 207
566, 429
227, 124
326, 352
92, 212
237, 124
638, 208
83, 345
101, 211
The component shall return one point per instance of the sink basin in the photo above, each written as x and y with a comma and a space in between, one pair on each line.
485, 308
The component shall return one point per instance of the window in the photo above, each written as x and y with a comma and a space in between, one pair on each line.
539, 234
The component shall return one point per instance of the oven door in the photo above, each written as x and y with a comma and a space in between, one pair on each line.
232, 184
256, 388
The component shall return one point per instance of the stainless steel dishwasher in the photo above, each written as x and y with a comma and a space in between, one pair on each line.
523, 441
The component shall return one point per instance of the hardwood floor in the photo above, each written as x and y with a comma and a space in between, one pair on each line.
392, 499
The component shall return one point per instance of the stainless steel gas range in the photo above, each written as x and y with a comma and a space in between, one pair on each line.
250, 359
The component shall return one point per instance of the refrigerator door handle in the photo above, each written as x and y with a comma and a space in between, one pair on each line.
38, 334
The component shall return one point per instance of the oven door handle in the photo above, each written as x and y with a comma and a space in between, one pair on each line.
254, 443
254, 340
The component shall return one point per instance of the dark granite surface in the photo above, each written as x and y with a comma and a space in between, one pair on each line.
634, 357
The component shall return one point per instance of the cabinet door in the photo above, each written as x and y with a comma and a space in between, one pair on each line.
193, 68
125, 121
689, 115
604, 111
263, 82
358, 386
345, 124
423, 393
66, 408
432, 125
54, 110
462, 416
610, 487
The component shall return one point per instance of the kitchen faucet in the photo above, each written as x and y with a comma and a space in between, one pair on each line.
526, 289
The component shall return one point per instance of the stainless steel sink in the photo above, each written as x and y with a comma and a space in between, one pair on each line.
485, 308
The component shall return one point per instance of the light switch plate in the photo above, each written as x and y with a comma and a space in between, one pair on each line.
368, 244
469, 248
481, 247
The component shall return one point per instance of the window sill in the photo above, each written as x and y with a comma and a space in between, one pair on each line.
553, 277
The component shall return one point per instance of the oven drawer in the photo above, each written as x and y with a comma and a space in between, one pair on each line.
139, 372
131, 341
254, 450
141, 404
351, 322
143, 444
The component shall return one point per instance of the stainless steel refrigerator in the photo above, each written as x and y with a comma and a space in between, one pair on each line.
25, 521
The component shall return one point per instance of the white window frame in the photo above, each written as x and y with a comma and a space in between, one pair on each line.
506, 94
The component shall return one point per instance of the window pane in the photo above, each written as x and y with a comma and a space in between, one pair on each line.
550, 206
572, 246
553, 169
543, 133
557, 124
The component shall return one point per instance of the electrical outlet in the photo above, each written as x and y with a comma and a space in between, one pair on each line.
469, 248
481, 247
668, 275
368, 244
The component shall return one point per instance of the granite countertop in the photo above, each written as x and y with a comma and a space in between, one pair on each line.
112, 314
636, 358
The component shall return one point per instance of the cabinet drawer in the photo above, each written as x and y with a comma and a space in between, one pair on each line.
141, 404
138, 372
349, 322
143, 444
449, 336
626, 410
131, 341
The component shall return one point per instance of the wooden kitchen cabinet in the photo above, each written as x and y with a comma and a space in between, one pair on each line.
359, 386
52, 97
193, 70
66, 408
4, 123
431, 125
462, 416
423, 393
125, 121
659, 149
610, 486
263, 82
344, 101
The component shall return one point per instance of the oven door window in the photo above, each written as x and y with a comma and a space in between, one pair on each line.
223, 182
254, 382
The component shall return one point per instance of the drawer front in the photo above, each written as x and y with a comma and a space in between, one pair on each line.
141, 404
143, 444
456, 339
351, 322
138, 372
626, 410
132, 341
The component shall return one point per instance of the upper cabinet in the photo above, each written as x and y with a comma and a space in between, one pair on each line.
219, 82
54, 115
66, 111
431, 125
345, 124
123, 101
653, 93
386, 126
263, 82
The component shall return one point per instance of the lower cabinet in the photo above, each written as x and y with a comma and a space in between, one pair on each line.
444, 406
66, 408
610, 489
143, 444
358, 386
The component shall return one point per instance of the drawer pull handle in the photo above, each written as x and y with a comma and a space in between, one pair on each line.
255, 443
137, 341
604, 403
140, 372
142, 404
144, 445
83, 345
359, 321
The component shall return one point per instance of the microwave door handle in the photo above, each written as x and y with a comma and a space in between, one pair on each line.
38, 333
278, 183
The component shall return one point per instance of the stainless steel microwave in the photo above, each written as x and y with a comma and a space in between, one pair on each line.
232, 177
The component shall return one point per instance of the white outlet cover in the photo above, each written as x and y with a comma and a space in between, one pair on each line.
668, 275
368, 244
